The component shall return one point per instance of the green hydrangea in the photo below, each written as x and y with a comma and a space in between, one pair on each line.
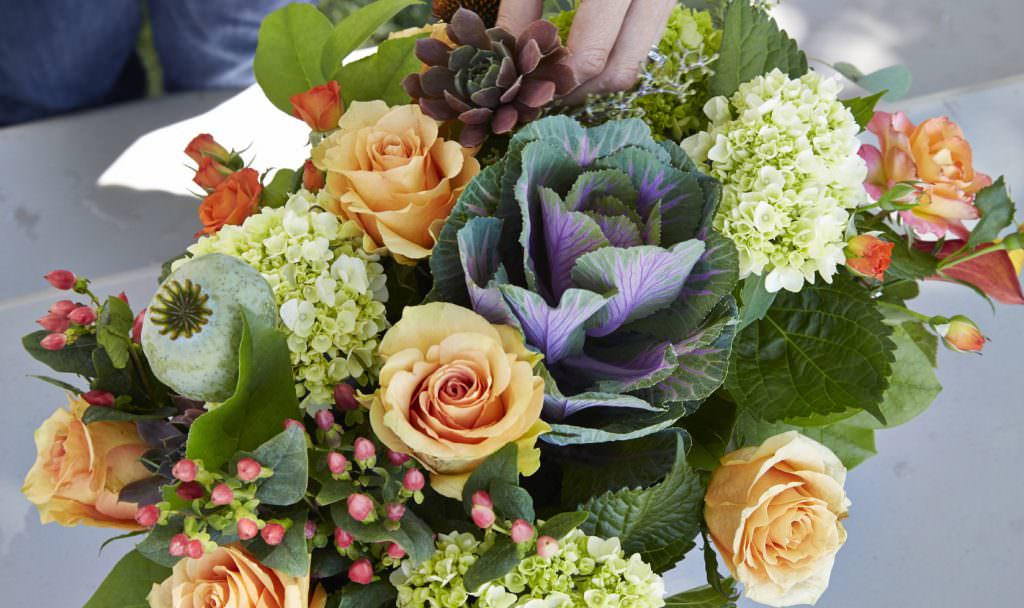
785, 151
330, 291
587, 571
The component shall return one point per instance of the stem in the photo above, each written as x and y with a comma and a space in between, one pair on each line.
903, 309
141, 371
953, 261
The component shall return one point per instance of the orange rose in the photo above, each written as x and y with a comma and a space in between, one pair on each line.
390, 172
210, 174
943, 156
869, 255
320, 107
204, 145
234, 200
454, 389
80, 470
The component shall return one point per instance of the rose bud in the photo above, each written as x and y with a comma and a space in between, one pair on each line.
361, 571
272, 534
482, 516
62, 307
396, 511
395, 551
869, 256
397, 458
365, 451
203, 145
54, 342
324, 419
345, 397
248, 469
61, 279
147, 516
413, 480
83, 315
190, 490
210, 174
337, 463
54, 322
547, 547
310, 529
100, 398
178, 545
137, 326
247, 529
961, 335
343, 539
313, 179
360, 507
185, 470
320, 107
194, 549
482, 498
521, 531
222, 495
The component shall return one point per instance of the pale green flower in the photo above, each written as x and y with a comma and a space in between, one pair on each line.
785, 151
331, 292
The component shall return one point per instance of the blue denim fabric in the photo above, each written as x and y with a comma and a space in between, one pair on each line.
61, 55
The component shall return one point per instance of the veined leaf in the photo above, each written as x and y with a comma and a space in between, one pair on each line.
851, 442
706, 597
498, 561
291, 43
285, 453
374, 595
753, 45
291, 556
352, 31
380, 75
72, 359
597, 468
128, 583
996, 213
863, 108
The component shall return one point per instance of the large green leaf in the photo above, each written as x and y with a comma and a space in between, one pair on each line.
291, 43
264, 398
380, 75
753, 45
706, 597
659, 522
72, 359
710, 429
128, 583
594, 469
824, 350
285, 454
113, 327
997, 211
852, 442
352, 31
291, 556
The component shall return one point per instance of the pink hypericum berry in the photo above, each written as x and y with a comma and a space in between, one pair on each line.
247, 529
190, 490
324, 419
137, 326
222, 495
482, 516
483, 499
100, 398
310, 529
61, 279
337, 463
195, 549
63, 307
361, 571
123, 297
395, 551
83, 315
185, 470
360, 506
396, 511
55, 341
178, 546
343, 539
248, 469
54, 322
413, 480
547, 547
272, 534
397, 458
345, 397
521, 531
291, 422
364, 449
147, 516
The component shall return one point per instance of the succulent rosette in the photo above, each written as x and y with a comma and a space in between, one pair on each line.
597, 244
491, 81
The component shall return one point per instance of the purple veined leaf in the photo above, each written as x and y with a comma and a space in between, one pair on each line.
567, 236
619, 230
610, 425
618, 367
652, 227
480, 254
556, 332
642, 280
586, 145
558, 406
595, 185
702, 358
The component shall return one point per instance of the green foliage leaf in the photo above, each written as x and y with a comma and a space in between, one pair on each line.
128, 583
96, 413
823, 350
263, 399
276, 193
997, 212
755, 301
333, 490
285, 453
710, 429
113, 329
352, 31
706, 597
909, 262
597, 468
753, 45
602, 427
414, 535
500, 467
850, 441
154, 546
558, 526
380, 75
374, 595
72, 359
498, 561
59, 384
863, 108
291, 556
659, 522
511, 501
291, 43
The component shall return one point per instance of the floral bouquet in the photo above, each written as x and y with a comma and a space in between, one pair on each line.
488, 349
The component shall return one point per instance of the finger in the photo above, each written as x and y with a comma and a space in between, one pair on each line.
515, 15
593, 34
644, 26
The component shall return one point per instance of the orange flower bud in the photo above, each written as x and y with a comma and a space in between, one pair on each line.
961, 335
211, 174
204, 145
233, 200
320, 107
313, 179
869, 256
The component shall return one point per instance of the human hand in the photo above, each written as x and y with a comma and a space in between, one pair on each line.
608, 43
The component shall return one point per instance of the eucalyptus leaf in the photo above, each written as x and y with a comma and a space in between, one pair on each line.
893, 82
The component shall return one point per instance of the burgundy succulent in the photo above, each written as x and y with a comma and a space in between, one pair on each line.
491, 81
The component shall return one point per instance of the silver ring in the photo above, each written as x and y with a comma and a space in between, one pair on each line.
654, 56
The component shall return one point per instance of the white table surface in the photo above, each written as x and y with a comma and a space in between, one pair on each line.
936, 519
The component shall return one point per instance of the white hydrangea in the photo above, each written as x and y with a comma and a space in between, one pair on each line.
331, 292
786, 153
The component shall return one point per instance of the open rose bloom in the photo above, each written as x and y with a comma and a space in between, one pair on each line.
775, 512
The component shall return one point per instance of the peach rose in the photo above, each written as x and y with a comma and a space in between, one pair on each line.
231, 578
389, 170
80, 470
453, 390
943, 156
774, 512
234, 199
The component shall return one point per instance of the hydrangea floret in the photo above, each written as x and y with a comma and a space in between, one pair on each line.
585, 571
330, 291
785, 151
